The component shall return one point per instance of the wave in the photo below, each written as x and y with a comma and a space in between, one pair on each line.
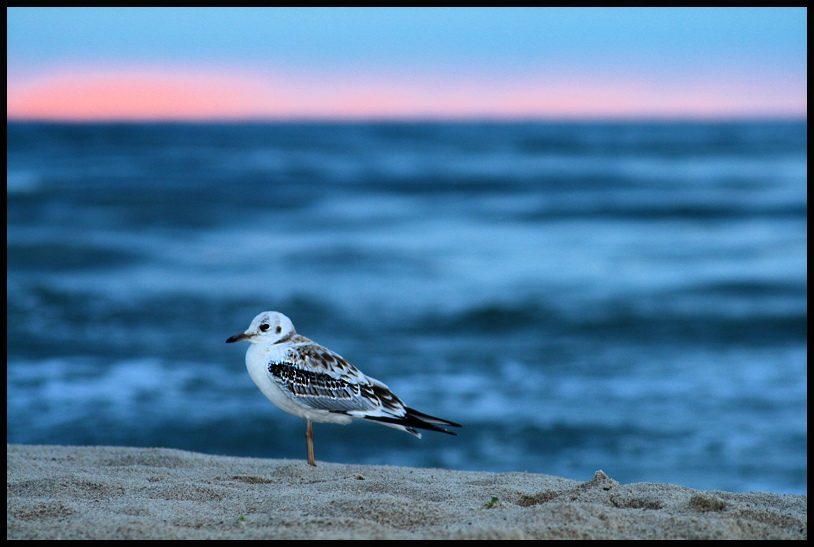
711, 319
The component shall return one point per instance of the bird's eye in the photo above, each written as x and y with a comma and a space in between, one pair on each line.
264, 327
279, 329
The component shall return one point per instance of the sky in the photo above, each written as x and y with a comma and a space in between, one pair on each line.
77, 64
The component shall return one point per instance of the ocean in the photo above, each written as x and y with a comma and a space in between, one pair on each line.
623, 296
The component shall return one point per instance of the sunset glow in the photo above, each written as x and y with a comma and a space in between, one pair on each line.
163, 94
421, 82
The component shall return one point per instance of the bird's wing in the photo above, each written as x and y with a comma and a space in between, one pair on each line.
318, 378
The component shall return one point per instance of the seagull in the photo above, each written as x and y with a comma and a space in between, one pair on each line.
310, 381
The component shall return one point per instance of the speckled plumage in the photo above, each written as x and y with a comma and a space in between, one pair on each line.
308, 380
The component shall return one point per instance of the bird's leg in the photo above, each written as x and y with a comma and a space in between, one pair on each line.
309, 436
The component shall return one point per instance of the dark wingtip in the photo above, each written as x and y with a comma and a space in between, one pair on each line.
431, 419
418, 420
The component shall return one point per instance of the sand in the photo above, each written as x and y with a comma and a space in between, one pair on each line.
61, 492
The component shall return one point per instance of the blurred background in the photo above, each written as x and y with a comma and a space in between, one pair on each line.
580, 233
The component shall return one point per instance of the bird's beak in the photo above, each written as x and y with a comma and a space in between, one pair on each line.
238, 337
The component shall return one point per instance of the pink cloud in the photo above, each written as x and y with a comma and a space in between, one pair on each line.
142, 94
200, 94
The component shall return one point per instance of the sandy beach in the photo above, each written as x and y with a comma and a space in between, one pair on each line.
60, 492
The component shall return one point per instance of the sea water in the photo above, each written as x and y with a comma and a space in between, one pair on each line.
624, 296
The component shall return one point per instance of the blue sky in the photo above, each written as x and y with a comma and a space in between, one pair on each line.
406, 62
